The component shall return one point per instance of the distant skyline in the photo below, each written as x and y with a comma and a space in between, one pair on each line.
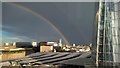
29, 21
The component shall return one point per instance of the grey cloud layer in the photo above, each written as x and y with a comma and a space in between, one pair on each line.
74, 20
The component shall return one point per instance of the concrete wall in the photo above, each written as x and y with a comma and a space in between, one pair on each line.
46, 48
11, 55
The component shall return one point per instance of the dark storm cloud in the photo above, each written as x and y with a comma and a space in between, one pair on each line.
74, 20
23, 23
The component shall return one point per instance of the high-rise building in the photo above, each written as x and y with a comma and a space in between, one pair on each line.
108, 34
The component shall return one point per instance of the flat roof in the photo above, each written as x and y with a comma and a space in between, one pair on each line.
10, 48
14, 49
59, 58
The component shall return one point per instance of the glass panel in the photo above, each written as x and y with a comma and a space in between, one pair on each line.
116, 58
100, 57
100, 48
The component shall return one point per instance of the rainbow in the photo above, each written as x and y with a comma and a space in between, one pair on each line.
41, 17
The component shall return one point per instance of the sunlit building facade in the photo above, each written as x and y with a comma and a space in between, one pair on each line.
108, 34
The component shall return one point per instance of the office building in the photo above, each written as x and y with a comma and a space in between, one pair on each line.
108, 34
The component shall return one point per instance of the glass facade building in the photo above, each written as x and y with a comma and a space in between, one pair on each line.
108, 34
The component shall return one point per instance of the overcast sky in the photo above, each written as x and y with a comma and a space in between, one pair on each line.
72, 22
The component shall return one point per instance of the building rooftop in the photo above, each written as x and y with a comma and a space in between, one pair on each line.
10, 48
58, 58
